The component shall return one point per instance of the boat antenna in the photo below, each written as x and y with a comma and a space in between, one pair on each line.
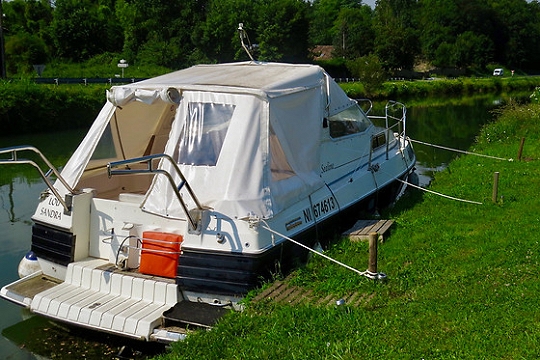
244, 36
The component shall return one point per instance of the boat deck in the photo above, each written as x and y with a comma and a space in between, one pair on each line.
96, 296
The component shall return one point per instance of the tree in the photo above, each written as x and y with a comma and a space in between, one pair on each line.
217, 37
369, 70
396, 42
159, 32
472, 50
324, 13
518, 39
278, 27
81, 29
23, 51
353, 31
282, 31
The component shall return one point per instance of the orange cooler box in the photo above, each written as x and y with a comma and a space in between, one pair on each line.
160, 252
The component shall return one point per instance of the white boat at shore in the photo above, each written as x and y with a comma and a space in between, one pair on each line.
160, 216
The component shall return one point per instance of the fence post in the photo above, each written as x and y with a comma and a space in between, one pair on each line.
495, 186
521, 148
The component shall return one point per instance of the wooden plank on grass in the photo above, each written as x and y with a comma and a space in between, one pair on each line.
361, 230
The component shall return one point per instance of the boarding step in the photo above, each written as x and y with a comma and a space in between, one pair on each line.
362, 228
96, 296
195, 314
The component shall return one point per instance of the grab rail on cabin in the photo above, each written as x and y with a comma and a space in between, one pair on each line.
151, 170
15, 150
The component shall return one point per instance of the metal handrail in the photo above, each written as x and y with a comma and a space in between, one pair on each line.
399, 122
14, 150
150, 170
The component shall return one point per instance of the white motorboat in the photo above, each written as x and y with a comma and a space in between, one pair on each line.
162, 214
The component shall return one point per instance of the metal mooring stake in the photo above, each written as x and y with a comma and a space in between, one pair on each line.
371, 272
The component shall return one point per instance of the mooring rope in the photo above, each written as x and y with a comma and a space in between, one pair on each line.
459, 151
363, 273
439, 194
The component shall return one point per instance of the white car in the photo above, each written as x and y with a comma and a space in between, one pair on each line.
498, 72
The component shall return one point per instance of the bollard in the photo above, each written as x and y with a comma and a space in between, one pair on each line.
372, 266
371, 272
521, 148
495, 186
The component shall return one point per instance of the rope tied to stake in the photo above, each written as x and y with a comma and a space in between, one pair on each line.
459, 151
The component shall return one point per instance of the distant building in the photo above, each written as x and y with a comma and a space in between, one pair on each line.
322, 52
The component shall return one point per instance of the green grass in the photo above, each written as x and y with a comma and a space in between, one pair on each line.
462, 278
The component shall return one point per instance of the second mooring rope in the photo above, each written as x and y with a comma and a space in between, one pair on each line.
459, 151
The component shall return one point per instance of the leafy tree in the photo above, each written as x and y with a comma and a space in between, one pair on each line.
324, 13
518, 40
278, 27
81, 29
473, 50
159, 31
26, 26
396, 42
282, 30
354, 35
23, 51
369, 70
217, 38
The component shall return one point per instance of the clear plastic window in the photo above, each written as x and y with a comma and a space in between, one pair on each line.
350, 121
203, 133
279, 165
105, 148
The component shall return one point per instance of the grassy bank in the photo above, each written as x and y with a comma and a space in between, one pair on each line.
462, 278
444, 87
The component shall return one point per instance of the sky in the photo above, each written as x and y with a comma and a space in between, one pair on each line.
369, 2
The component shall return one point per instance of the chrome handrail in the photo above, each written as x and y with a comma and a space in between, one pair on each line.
14, 150
399, 122
150, 169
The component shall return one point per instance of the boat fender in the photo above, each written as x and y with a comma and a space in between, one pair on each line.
29, 264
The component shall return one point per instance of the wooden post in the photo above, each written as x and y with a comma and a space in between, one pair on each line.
521, 148
372, 267
495, 186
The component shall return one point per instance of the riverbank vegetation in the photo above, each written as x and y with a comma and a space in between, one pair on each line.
469, 37
462, 277
26, 107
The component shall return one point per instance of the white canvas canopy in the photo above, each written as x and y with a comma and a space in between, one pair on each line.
245, 135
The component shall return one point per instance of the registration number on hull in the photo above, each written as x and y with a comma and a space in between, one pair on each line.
320, 209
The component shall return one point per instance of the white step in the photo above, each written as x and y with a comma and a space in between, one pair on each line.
110, 301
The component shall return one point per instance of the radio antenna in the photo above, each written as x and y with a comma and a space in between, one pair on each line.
244, 36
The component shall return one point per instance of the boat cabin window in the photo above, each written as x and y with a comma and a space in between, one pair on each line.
347, 122
203, 133
279, 165
105, 148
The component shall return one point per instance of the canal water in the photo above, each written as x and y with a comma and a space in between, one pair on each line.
31, 337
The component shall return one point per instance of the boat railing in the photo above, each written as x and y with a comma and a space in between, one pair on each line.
395, 118
112, 169
15, 159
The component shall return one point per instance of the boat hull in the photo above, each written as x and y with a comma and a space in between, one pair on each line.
235, 274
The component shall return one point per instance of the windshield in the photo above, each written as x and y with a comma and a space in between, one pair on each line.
347, 122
